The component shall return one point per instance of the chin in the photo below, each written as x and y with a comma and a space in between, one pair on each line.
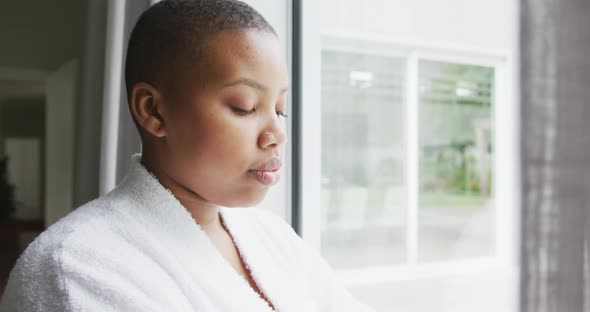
248, 200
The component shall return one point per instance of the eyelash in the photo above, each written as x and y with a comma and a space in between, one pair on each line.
240, 111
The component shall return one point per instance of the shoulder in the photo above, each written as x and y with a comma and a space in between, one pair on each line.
96, 227
90, 222
78, 239
98, 256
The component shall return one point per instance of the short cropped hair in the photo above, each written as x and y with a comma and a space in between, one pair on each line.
169, 36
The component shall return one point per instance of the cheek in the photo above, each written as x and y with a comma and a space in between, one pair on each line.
215, 139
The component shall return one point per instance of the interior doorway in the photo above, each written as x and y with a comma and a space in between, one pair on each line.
51, 72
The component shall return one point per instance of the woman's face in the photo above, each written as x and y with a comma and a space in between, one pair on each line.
225, 129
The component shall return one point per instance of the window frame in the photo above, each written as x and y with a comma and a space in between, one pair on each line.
504, 184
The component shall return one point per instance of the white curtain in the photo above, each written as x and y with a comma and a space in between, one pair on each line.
555, 136
119, 139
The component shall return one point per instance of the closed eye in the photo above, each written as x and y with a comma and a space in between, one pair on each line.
283, 114
241, 111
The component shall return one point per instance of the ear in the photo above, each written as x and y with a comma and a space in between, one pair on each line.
147, 107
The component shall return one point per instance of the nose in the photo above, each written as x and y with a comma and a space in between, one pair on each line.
273, 135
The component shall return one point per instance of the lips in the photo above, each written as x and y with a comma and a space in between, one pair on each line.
267, 173
272, 164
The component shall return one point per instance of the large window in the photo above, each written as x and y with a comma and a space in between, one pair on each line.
407, 158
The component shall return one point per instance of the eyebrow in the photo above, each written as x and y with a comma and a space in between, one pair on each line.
250, 83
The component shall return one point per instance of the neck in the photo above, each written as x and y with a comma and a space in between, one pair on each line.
205, 213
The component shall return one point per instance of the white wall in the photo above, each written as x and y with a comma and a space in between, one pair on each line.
481, 24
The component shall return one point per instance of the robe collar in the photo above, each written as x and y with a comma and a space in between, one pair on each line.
200, 260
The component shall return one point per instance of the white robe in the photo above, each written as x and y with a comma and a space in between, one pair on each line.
138, 249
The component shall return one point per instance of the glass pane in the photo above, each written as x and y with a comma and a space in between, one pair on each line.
362, 192
455, 161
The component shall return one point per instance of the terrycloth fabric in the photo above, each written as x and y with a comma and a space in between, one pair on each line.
138, 249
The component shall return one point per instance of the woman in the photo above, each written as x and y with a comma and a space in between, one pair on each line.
206, 84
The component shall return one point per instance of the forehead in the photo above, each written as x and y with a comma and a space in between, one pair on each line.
253, 54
